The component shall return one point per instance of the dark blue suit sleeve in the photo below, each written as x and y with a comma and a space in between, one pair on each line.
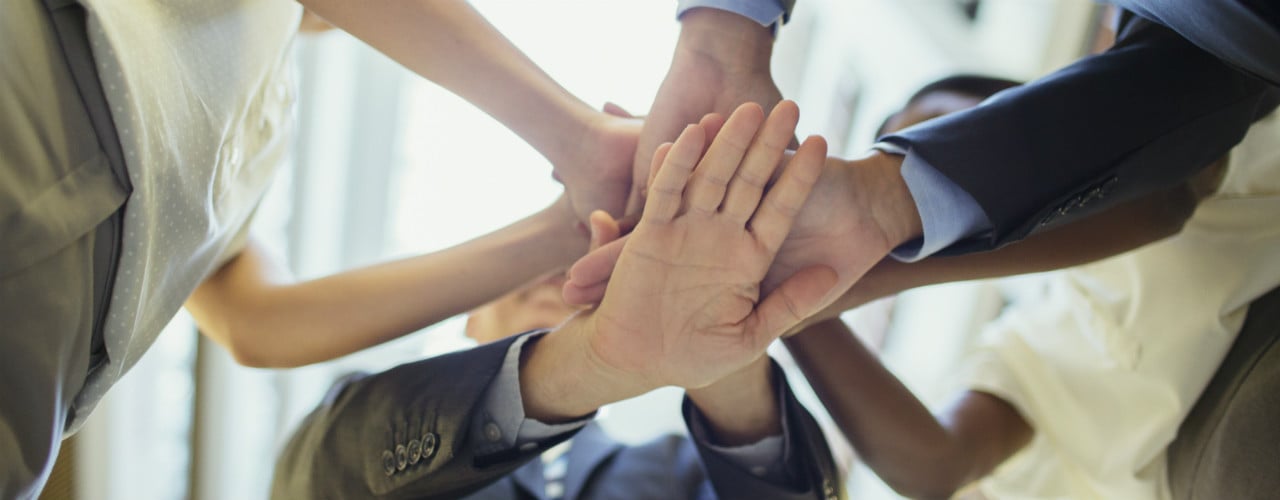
807, 458
1244, 33
1145, 115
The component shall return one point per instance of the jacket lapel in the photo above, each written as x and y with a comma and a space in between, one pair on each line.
529, 478
590, 449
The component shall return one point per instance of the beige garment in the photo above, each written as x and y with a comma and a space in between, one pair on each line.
201, 95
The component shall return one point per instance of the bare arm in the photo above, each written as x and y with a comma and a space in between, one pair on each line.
252, 307
449, 43
917, 454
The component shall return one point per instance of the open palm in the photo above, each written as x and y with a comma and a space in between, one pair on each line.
685, 306
836, 228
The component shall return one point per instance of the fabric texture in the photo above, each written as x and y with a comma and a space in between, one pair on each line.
59, 209
350, 447
1111, 360
765, 12
1229, 444
947, 213
199, 93
1145, 115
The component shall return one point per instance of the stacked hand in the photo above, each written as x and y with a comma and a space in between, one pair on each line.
596, 170
721, 62
857, 212
688, 308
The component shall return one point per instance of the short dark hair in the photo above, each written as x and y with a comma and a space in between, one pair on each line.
977, 86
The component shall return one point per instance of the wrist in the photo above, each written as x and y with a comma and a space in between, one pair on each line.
741, 408
561, 379
561, 233
576, 125
877, 178
728, 42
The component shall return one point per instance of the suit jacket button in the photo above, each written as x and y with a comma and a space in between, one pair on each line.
428, 445
492, 432
388, 462
402, 457
415, 451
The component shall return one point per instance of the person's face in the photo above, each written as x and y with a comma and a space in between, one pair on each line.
537, 305
931, 105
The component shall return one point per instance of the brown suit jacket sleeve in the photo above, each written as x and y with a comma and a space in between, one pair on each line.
403, 433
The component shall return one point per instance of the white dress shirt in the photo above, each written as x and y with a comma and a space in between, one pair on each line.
1108, 365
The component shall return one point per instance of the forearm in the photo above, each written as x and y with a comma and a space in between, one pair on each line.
891, 430
1125, 227
728, 41
741, 408
266, 321
449, 43
561, 378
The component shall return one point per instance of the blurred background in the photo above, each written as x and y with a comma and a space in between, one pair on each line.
387, 165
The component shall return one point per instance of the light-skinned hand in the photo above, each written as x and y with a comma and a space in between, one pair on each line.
688, 309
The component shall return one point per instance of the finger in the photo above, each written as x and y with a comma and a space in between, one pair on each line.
797, 298
616, 110
597, 265
584, 296
711, 123
659, 156
717, 167
628, 223
603, 229
635, 201
669, 185
762, 158
772, 220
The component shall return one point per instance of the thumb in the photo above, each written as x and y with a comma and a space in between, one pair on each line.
797, 298
603, 229
588, 276
616, 110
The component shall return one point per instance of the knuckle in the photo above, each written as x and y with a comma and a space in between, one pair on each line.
752, 179
717, 178
785, 206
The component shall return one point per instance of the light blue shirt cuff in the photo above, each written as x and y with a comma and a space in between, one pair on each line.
947, 213
766, 12
503, 425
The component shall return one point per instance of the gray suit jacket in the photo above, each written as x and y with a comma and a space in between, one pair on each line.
407, 433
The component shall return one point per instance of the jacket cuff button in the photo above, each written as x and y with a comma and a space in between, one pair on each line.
388, 463
415, 451
428, 445
402, 457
